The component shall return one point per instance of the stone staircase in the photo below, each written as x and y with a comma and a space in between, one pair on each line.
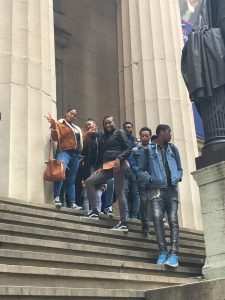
49, 253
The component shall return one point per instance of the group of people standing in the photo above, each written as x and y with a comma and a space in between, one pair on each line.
148, 170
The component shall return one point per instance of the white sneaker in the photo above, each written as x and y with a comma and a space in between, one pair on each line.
74, 206
57, 202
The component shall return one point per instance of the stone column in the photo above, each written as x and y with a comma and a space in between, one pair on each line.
27, 94
211, 182
151, 86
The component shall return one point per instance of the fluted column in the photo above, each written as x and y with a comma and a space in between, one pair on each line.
27, 93
151, 86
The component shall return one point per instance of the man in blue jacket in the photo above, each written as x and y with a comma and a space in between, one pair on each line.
139, 161
163, 173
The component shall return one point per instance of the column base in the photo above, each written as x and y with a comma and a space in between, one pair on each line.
211, 182
209, 158
214, 267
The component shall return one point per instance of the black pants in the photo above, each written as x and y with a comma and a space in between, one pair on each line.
166, 201
144, 193
102, 177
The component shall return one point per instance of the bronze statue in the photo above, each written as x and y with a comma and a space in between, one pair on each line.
203, 69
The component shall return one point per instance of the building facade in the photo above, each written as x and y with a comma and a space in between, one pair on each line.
103, 57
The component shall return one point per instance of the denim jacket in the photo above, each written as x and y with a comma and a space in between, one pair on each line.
156, 174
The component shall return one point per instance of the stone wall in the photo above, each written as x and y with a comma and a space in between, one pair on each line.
86, 58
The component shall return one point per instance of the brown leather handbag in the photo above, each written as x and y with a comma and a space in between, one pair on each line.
55, 169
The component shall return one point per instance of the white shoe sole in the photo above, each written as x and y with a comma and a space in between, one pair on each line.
123, 230
172, 266
77, 208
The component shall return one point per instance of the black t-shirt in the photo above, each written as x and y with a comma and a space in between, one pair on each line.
165, 164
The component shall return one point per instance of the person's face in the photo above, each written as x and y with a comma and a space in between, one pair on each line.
109, 124
71, 116
166, 135
90, 126
128, 129
145, 137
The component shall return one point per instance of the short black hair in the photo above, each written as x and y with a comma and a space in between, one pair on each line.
106, 117
145, 129
153, 138
161, 127
128, 123
70, 109
90, 119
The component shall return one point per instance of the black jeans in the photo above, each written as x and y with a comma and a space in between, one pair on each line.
143, 189
132, 195
166, 200
102, 177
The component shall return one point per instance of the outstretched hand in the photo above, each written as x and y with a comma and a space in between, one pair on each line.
51, 121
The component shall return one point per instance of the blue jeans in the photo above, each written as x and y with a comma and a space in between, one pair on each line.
107, 196
70, 159
166, 201
132, 195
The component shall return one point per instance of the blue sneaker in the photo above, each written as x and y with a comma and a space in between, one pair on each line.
163, 255
172, 260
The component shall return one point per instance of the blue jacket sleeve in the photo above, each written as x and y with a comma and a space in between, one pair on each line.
178, 161
133, 163
141, 174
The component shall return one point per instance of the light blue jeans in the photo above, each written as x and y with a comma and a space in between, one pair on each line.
70, 160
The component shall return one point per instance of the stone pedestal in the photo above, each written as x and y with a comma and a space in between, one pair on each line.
211, 182
151, 87
27, 94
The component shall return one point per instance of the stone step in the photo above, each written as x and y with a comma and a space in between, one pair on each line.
91, 240
55, 277
61, 254
44, 259
88, 234
50, 212
53, 293
85, 224
89, 250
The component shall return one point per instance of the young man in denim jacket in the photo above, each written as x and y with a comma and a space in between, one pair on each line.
139, 161
163, 174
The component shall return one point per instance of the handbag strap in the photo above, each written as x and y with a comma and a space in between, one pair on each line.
49, 149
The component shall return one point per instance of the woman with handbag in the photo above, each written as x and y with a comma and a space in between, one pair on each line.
70, 144
115, 150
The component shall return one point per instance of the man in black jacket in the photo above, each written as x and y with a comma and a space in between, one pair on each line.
130, 186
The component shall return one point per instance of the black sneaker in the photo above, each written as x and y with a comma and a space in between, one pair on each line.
108, 211
121, 226
93, 214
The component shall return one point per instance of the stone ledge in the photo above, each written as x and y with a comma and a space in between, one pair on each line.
204, 290
77, 293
